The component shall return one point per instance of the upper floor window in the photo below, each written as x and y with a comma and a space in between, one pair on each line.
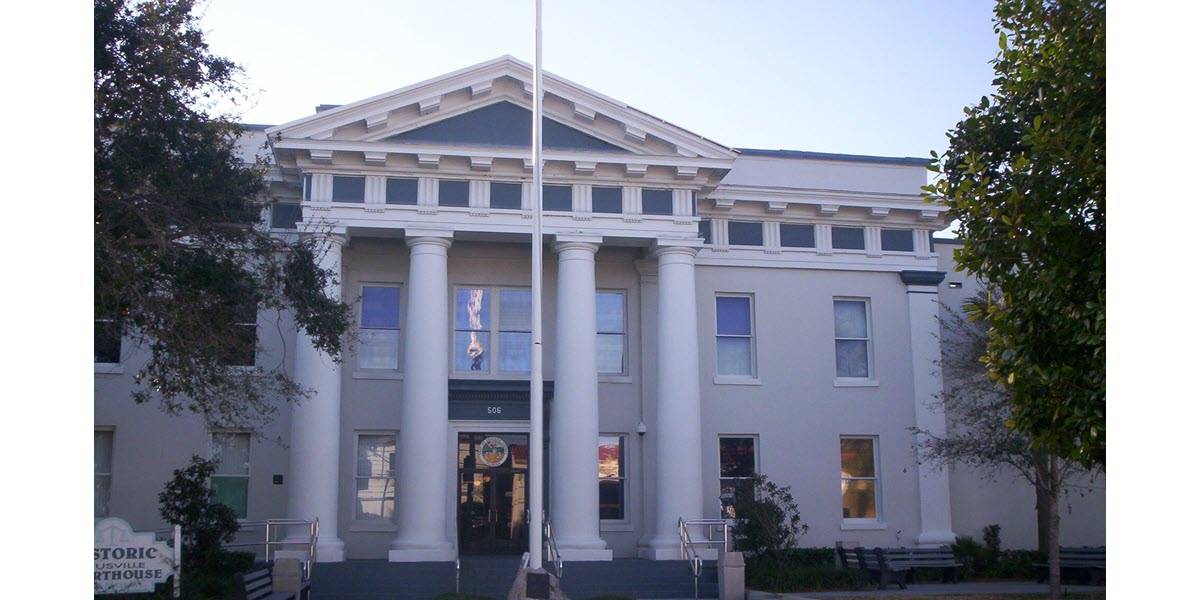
896, 240
505, 195
705, 228
793, 235
379, 327
735, 335
477, 335
739, 463
285, 215
401, 191
612, 477
656, 202
452, 192
349, 189
745, 233
852, 338
556, 197
849, 238
231, 481
240, 352
610, 332
860, 477
102, 470
306, 187
375, 478
606, 199
106, 341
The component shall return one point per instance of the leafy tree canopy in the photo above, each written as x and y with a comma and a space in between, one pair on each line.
1024, 178
181, 256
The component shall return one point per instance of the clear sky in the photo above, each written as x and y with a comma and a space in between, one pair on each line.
886, 78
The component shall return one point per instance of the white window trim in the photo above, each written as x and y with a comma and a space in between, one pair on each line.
730, 379
368, 373
112, 459
625, 524
754, 437
212, 447
623, 375
762, 231
869, 380
837, 250
516, 182
493, 371
855, 524
912, 232
372, 525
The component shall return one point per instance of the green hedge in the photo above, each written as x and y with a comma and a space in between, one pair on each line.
800, 570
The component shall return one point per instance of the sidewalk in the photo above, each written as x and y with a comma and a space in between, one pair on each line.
983, 588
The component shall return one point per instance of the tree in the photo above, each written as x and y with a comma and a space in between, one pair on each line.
766, 524
1024, 176
187, 500
181, 256
978, 410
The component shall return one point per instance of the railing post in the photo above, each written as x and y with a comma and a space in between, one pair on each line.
175, 592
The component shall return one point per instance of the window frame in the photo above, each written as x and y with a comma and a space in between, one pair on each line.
295, 225
492, 183
212, 447
762, 234
492, 330
112, 445
840, 380
786, 247
624, 333
570, 197
862, 522
108, 366
912, 240
416, 182
441, 182
333, 187
755, 444
358, 368
623, 478
670, 193
619, 200
254, 352
357, 524
723, 378
833, 244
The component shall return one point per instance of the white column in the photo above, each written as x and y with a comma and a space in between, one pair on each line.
676, 432
575, 414
316, 426
933, 482
424, 411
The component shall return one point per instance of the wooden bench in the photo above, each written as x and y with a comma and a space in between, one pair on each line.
879, 567
257, 584
1084, 565
941, 557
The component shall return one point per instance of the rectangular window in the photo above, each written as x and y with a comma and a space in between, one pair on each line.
860, 479
241, 350
102, 470
505, 195
453, 193
285, 215
349, 189
797, 236
849, 238
743, 233
852, 338
739, 463
706, 231
401, 191
556, 197
516, 339
375, 478
106, 339
379, 327
610, 332
656, 202
306, 193
612, 477
472, 325
735, 336
231, 481
896, 240
606, 199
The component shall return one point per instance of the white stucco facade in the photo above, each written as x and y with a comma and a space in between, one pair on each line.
822, 355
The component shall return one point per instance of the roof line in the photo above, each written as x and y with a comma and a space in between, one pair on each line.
887, 160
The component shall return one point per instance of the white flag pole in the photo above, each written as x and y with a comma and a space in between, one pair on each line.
535, 367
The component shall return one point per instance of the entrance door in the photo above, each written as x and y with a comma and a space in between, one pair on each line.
493, 488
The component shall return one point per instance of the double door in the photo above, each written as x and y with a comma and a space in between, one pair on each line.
493, 492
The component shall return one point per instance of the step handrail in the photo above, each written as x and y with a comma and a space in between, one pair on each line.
551, 547
271, 526
687, 551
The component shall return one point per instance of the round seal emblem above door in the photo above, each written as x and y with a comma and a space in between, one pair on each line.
492, 451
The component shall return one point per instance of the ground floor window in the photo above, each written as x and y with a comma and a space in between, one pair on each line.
102, 468
860, 480
375, 478
231, 481
612, 477
739, 463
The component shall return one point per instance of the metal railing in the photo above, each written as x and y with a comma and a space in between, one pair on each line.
688, 548
551, 547
268, 541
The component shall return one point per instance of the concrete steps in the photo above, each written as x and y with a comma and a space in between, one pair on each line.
493, 575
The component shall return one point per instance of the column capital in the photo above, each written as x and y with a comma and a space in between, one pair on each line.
562, 247
421, 237
662, 250
922, 278
334, 236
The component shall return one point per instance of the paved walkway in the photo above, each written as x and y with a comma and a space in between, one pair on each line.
934, 589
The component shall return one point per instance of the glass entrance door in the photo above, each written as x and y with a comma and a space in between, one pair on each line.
493, 489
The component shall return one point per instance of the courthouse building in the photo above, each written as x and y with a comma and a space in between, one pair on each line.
710, 313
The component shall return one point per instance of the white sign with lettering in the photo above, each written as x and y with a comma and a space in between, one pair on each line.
128, 561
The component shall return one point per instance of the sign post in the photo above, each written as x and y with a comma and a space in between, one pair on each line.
126, 561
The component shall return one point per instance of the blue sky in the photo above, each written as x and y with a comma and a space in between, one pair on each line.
885, 78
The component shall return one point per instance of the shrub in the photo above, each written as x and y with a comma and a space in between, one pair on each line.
767, 521
805, 571
187, 500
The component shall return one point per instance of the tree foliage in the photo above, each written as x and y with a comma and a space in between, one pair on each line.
180, 253
187, 500
1024, 177
767, 520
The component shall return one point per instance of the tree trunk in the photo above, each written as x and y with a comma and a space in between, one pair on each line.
1045, 499
1052, 492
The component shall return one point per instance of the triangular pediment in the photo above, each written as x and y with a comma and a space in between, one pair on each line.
503, 124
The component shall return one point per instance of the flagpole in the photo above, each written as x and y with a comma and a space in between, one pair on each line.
535, 367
